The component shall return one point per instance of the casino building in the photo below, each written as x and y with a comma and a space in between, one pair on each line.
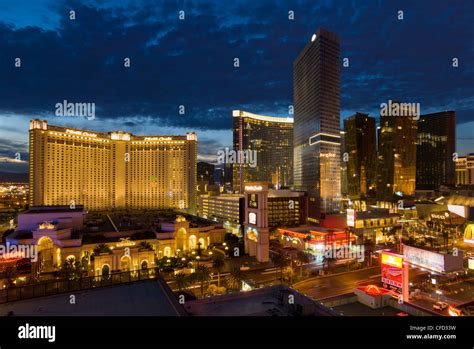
272, 140
111, 170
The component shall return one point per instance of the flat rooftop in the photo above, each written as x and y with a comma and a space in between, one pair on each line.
54, 209
144, 298
268, 301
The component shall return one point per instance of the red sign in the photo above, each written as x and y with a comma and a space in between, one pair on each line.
392, 269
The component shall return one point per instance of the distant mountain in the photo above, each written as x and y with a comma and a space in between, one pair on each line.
13, 177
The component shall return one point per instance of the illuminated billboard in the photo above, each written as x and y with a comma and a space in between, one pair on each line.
392, 270
252, 218
252, 233
469, 234
253, 200
424, 258
351, 217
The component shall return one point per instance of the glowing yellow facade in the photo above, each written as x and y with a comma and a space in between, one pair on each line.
111, 170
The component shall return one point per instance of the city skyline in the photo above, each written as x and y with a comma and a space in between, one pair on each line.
388, 59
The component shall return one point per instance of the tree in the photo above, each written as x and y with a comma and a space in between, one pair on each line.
202, 275
280, 261
302, 258
182, 281
234, 280
102, 248
218, 263
71, 269
144, 245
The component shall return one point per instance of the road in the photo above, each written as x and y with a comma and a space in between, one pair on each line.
333, 285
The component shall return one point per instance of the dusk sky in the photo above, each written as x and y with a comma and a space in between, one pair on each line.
191, 63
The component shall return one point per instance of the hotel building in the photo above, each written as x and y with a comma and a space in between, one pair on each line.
271, 138
111, 170
465, 170
224, 208
434, 152
396, 155
317, 139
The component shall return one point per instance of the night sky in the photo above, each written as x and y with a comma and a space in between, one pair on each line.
191, 63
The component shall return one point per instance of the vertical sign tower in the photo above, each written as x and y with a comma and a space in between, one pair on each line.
256, 234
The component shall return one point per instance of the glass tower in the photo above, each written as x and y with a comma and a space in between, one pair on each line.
317, 139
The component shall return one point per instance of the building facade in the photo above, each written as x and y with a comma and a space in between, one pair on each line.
225, 208
396, 171
111, 170
435, 149
465, 170
361, 149
316, 85
57, 234
271, 140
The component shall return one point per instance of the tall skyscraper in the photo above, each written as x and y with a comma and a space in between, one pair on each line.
271, 141
361, 148
434, 152
396, 171
107, 170
316, 82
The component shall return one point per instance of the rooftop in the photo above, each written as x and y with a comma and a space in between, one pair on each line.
268, 301
144, 298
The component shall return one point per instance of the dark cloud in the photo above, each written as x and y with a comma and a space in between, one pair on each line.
190, 62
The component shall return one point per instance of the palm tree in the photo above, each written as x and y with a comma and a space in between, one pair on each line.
201, 276
280, 261
144, 245
102, 248
71, 269
302, 258
218, 263
182, 281
234, 280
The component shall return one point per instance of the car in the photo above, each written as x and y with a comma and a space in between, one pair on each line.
440, 306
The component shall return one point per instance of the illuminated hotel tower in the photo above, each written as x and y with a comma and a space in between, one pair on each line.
111, 170
397, 139
317, 124
272, 140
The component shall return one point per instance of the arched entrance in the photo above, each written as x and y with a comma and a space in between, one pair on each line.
125, 263
105, 271
192, 242
167, 251
144, 265
202, 242
45, 254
